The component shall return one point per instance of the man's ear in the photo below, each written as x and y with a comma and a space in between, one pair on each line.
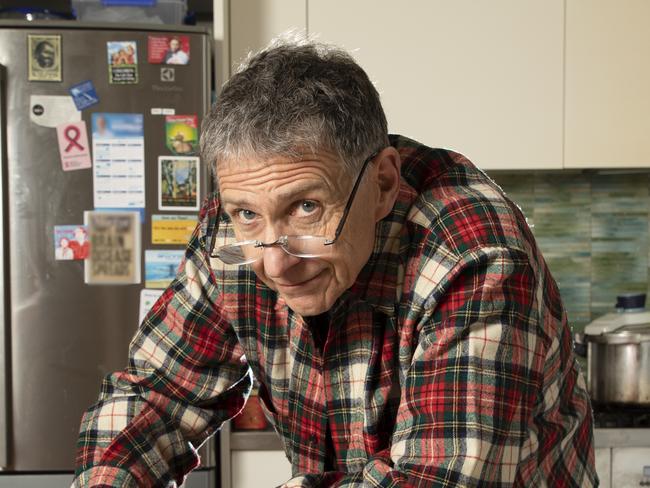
387, 177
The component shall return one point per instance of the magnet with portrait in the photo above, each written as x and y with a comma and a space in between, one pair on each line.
122, 61
44, 53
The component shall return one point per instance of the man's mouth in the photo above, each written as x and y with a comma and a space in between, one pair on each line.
293, 286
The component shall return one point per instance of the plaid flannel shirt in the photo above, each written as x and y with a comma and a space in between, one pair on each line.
448, 363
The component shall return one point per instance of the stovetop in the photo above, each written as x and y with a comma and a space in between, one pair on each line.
621, 416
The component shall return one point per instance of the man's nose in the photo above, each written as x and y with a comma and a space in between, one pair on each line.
277, 261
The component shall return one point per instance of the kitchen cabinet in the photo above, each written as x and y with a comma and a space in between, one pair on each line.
254, 23
481, 78
252, 459
484, 79
607, 83
630, 467
512, 85
603, 457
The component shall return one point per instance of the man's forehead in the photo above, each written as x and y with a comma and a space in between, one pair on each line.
283, 174
240, 158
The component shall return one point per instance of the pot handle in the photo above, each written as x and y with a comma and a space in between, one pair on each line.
579, 344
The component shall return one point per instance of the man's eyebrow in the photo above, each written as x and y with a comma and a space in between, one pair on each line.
281, 195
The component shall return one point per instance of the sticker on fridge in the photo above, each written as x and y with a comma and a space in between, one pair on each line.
70, 242
52, 110
84, 94
168, 49
181, 134
122, 62
115, 248
44, 57
118, 160
178, 183
171, 229
73, 146
160, 267
147, 300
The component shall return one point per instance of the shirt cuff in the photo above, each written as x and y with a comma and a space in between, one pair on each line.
104, 477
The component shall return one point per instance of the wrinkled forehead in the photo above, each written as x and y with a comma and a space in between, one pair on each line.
295, 159
282, 174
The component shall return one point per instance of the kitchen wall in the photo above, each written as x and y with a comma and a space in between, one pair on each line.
593, 229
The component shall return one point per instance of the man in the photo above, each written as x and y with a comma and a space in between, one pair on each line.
389, 299
175, 55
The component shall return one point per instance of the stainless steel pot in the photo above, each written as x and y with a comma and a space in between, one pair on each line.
618, 354
618, 365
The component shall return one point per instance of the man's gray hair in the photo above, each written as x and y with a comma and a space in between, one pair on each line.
295, 97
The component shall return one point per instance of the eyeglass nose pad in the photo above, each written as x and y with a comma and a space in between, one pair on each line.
277, 260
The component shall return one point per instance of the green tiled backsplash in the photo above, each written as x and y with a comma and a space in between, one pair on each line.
593, 230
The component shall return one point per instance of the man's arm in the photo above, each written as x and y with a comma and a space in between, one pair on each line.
492, 396
186, 375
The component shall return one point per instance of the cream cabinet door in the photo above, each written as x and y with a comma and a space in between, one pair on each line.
607, 83
252, 24
255, 469
482, 78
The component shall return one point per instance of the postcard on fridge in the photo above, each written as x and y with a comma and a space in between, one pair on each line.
115, 248
118, 160
161, 266
70, 242
168, 49
171, 229
178, 183
181, 134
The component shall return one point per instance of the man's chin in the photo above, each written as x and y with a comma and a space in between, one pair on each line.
308, 306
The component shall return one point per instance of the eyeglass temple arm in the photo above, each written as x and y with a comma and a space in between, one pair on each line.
348, 205
213, 237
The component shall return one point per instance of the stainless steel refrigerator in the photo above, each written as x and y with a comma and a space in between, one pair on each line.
61, 336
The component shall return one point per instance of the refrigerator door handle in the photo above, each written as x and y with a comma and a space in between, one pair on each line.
4, 327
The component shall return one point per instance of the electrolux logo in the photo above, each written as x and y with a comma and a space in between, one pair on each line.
161, 88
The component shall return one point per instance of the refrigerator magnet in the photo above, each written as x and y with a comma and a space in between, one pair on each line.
115, 248
178, 183
161, 266
74, 149
171, 229
181, 134
44, 57
168, 49
122, 62
52, 110
147, 300
118, 160
84, 94
70, 242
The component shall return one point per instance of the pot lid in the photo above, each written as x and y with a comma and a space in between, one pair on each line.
625, 334
613, 322
630, 311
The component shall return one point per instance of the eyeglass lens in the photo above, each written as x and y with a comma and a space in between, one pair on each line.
300, 246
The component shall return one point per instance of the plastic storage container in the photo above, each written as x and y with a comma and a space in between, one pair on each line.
161, 12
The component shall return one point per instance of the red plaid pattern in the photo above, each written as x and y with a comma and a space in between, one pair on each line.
448, 363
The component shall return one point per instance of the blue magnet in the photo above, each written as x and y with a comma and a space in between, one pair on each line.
84, 95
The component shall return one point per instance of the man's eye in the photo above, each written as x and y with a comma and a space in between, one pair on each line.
245, 215
308, 206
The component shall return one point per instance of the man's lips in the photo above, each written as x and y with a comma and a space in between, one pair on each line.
299, 284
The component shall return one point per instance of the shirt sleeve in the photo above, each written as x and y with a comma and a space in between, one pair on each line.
493, 396
187, 374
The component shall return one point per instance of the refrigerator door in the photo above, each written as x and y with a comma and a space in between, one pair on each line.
65, 335
4, 359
